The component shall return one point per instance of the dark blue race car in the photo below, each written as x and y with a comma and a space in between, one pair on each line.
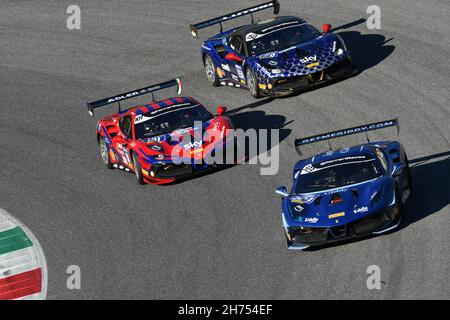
274, 57
346, 193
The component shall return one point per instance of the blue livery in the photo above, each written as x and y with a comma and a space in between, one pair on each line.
346, 193
274, 57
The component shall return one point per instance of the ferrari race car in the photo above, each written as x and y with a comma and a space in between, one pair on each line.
273, 57
161, 141
346, 193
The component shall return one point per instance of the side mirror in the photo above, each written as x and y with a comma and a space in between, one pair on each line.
326, 28
398, 168
282, 191
221, 110
233, 57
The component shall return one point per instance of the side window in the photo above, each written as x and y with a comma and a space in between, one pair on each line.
381, 156
125, 125
236, 44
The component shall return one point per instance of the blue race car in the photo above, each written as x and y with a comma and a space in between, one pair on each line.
274, 57
346, 193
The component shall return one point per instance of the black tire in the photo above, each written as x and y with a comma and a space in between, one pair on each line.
138, 170
210, 70
104, 153
252, 84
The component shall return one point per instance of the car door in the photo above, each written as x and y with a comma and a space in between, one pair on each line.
123, 139
232, 62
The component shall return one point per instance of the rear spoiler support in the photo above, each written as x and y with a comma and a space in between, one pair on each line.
233, 15
135, 93
365, 128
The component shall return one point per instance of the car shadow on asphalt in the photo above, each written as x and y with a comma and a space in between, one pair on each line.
430, 193
431, 187
367, 50
256, 121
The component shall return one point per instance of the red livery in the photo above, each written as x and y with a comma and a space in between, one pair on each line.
162, 141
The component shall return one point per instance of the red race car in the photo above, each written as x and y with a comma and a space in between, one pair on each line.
162, 141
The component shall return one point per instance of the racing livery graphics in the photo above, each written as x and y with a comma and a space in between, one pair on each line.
160, 141
347, 193
273, 57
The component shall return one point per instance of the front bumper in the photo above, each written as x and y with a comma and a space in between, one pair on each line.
377, 223
286, 86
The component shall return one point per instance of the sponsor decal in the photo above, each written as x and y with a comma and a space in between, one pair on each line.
226, 67
308, 169
361, 210
248, 11
333, 49
234, 77
262, 86
312, 220
269, 55
239, 72
219, 72
312, 65
288, 49
341, 190
156, 147
298, 208
195, 151
281, 25
134, 93
194, 144
309, 198
341, 133
252, 36
308, 59
297, 200
336, 215
273, 62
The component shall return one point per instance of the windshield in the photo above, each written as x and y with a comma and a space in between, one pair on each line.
336, 176
150, 125
282, 39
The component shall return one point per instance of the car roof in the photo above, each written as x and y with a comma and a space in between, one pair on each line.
261, 25
169, 103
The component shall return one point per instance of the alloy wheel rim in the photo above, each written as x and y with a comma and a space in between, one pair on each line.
209, 70
104, 151
251, 82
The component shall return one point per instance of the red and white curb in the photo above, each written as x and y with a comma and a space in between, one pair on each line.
23, 268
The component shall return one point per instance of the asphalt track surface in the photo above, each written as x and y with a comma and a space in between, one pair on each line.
219, 235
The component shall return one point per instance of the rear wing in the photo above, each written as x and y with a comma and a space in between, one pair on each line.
346, 132
135, 93
218, 20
